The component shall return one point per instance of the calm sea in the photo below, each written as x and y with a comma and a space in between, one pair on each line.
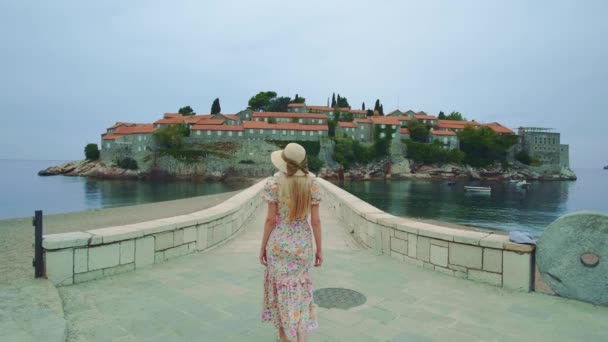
507, 207
22, 191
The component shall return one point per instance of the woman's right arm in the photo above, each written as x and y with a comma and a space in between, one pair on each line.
268, 227
315, 221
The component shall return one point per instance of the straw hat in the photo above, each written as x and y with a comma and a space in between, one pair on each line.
291, 160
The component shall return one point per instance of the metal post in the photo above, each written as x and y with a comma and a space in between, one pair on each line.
38, 263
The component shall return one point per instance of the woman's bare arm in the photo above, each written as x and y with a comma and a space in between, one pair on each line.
315, 222
271, 219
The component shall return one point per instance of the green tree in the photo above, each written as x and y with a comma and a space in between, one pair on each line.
186, 111
342, 102
171, 136
432, 153
127, 163
215, 106
441, 116
419, 132
455, 116
333, 100
363, 106
299, 99
278, 104
261, 100
370, 112
349, 151
482, 146
91, 152
314, 163
381, 110
377, 105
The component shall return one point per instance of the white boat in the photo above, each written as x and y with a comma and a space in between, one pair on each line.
478, 188
523, 184
513, 180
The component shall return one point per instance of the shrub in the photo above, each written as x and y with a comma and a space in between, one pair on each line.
127, 163
91, 152
349, 151
314, 163
432, 153
171, 136
482, 146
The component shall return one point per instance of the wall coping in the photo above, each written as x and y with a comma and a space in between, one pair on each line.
107, 235
375, 215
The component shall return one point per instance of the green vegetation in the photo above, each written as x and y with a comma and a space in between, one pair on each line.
382, 144
419, 131
91, 152
298, 99
441, 115
215, 106
524, 158
247, 161
186, 111
363, 106
349, 151
432, 153
312, 152
127, 163
314, 163
269, 102
482, 146
171, 136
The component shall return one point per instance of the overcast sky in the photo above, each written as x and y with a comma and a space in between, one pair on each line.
69, 69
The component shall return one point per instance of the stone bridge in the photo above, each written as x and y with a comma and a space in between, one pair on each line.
197, 277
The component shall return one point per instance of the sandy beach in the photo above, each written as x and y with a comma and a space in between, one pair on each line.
17, 235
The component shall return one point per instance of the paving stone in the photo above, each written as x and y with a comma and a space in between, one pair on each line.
118, 269
87, 276
465, 255
159, 257
444, 270
492, 260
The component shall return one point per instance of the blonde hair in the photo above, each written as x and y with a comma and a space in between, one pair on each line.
294, 191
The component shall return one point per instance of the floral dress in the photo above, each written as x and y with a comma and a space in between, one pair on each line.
288, 290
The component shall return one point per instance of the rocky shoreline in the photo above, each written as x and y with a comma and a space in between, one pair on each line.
385, 169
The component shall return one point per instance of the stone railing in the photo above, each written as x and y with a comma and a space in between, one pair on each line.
480, 256
80, 256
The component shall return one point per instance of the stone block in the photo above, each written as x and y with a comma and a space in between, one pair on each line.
398, 245
127, 252
118, 233
440, 243
485, 277
201, 241
444, 270
517, 270
163, 241
190, 234
397, 256
423, 248
400, 235
518, 247
469, 237
59, 266
412, 241
175, 252
457, 268
159, 257
439, 255
104, 256
436, 232
118, 269
178, 237
465, 255
65, 240
494, 241
81, 260
492, 260
144, 251
87, 276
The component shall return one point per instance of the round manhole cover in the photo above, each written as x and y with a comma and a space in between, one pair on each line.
338, 298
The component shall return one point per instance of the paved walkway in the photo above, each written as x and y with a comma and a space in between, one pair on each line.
217, 295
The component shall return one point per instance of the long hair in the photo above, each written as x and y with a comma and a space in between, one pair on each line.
294, 191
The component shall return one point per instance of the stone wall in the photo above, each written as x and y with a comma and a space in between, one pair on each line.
81, 256
479, 256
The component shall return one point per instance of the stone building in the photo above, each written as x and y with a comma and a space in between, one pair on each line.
542, 144
301, 118
130, 140
448, 139
364, 131
297, 108
348, 129
455, 125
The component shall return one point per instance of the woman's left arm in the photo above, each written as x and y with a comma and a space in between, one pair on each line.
271, 219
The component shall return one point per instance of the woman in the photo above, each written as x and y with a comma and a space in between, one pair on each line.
292, 194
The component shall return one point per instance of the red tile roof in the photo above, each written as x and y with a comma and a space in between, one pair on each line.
404, 131
119, 124
206, 122
170, 120
367, 120
436, 132
193, 119
329, 109
385, 120
232, 117
287, 126
289, 115
347, 124
295, 105
358, 111
498, 128
403, 118
217, 128
137, 129
456, 124
420, 116
111, 136
171, 115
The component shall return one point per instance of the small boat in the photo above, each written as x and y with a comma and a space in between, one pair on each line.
523, 184
478, 188
606, 167
513, 180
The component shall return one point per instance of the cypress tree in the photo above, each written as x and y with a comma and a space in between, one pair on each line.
333, 100
381, 110
215, 107
377, 105
363, 106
